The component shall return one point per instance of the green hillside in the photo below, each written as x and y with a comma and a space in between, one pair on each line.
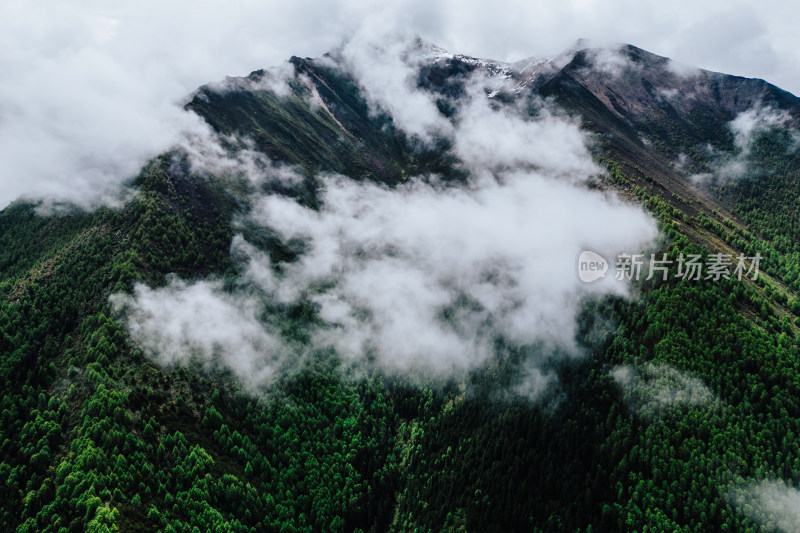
96, 436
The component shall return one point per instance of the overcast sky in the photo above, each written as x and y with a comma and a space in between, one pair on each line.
91, 89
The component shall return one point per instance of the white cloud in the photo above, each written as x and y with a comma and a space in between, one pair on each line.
499, 257
237, 162
650, 390
612, 61
498, 139
185, 321
745, 127
773, 504
748, 123
386, 66
682, 70
274, 79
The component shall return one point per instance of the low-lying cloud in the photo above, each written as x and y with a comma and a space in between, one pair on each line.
418, 280
200, 321
495, 140
773, 504
426, 275
745, 129
653, 390
753, 121
422, 279
274, 79
386, 68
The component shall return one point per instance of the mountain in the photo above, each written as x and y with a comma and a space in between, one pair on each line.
678, 410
